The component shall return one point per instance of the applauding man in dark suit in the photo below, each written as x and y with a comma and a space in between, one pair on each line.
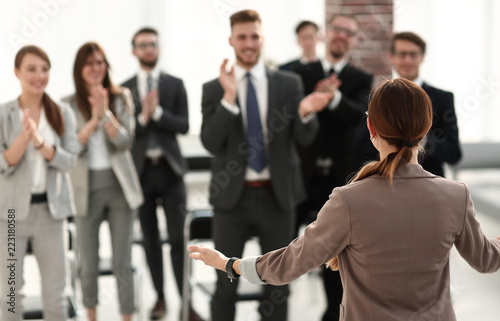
252, 118
329, 160
161, 113
441, 144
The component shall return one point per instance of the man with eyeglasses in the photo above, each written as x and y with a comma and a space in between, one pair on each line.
161, 112
441, 144
329, 161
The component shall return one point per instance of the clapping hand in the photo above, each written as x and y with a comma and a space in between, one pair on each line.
149, 104
30, 129
228, 82
99, 101
328, 85
314, 102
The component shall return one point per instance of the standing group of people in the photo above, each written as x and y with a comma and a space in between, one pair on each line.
99, 155
281, 175
284, 140
342, 145
389, 231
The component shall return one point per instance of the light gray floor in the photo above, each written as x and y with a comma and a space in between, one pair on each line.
476, 296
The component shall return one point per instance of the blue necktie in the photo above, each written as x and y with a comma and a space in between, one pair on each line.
257, 157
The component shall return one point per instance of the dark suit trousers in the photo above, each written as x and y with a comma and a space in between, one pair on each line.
256, 214
160, 183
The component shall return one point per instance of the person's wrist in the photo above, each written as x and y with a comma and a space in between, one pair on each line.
40, 145
303, 112
230, 97
230, 271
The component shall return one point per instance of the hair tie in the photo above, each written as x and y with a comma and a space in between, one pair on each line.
409, 144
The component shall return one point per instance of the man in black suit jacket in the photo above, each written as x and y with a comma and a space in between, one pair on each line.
330, 160
441, 143
161, 113
252, 118
307, 39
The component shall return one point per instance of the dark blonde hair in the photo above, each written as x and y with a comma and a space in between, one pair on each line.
52, 110
244, 16
82, 94
401, 113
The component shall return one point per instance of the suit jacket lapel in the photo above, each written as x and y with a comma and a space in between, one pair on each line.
272, 90
15, 121
135, 94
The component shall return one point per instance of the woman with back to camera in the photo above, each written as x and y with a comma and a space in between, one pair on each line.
105, 180
389, 231
38, 147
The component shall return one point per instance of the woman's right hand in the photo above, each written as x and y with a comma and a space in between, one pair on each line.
99, 101
209, 256
27, 127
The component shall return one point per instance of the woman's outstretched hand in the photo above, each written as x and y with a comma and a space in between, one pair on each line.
210, 257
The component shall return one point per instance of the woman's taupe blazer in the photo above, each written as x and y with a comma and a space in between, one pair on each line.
15, 181
393, 245
119, 151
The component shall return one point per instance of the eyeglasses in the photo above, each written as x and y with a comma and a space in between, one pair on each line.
337, 29
412, 54
144, 45
366, 114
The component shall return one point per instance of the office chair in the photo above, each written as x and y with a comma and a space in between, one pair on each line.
198, 229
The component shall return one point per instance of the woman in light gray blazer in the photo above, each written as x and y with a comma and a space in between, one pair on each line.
105, 180
389, 231
38, 147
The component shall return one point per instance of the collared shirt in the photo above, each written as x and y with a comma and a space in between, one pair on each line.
142, 83
38, 164
303, 60
259, 81
419, 81
337, 67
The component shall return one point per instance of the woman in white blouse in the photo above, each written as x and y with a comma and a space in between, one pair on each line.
38, 147
105, 180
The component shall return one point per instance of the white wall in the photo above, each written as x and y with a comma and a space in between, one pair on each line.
462, 57
193, 36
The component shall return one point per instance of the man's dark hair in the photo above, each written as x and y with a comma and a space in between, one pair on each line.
408, 36
143, 30
244, 16
304, 24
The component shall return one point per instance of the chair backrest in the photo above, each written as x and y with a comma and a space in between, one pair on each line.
198, 225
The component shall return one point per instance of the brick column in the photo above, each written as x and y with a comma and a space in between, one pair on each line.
375, 23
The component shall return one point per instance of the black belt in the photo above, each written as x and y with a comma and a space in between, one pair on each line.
156, 161
38, 198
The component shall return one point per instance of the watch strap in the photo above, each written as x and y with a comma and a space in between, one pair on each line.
231, 273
